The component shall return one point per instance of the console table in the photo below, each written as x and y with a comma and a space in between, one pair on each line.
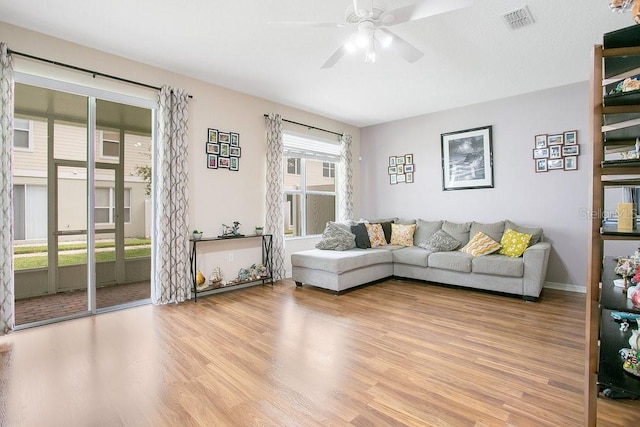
267, 261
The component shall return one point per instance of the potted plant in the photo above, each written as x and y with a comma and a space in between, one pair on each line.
197, 234
259, 230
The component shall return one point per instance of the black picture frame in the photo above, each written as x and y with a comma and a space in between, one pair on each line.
212, 135
212, 161
467, 159
235, 139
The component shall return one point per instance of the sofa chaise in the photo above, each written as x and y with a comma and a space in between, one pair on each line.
339, 270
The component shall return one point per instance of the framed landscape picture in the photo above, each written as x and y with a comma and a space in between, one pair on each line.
467, 159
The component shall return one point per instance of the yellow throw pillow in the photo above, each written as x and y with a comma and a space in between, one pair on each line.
376, 235
513, 243
481, 244
402, 235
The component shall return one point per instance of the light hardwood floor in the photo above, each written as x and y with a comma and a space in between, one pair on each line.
395, 353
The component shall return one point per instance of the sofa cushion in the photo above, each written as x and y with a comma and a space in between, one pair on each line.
379, 220
536, 232
499, 265
336, 238
441, 241
494, 230
376, 235
513, 243
362, 237
456, 261
425, 229
346, 225
411, 255
340, 261
459, 231
480, 245
402, 234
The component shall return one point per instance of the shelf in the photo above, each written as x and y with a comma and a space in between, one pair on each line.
213, 238
232, 285
612, 297
610, 371
622, 102
612, 230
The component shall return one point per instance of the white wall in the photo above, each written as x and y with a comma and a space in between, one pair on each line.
216, 196
555, 200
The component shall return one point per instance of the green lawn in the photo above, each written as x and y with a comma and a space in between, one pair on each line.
19, 250
39, 261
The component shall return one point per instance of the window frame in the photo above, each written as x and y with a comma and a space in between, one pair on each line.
28, 129
112, 206
102, 140
329, 167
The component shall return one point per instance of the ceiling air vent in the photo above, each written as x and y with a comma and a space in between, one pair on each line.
518, 18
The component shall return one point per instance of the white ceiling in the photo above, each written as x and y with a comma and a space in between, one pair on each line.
470, 55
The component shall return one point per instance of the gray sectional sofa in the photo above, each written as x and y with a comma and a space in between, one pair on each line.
339, 270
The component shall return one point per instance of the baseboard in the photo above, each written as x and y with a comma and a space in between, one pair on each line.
565, 287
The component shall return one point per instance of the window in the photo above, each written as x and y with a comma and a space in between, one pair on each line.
309, 185
328, 170
293, 166
105, 210
110, 144
22, 134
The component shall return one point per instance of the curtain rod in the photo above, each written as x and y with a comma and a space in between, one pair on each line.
84, 70
308, 126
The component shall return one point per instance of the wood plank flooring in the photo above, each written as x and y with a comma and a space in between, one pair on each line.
395, 353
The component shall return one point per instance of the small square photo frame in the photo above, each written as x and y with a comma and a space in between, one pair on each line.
223, 162
224, 137
224, 150
400, 169
555, 152
212, 135
408, 168
393, 170
557, 139
213, 148
392, 160
540, 153
571, 163
393, 179
234, 164
571, 138
541, 141
409, 177
541, 165
399, 161
234, 151
555, 164
402, 177
235, 139
571, 150
408, 158
212, 161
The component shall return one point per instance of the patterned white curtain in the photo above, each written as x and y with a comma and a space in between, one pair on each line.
274, 223
345, 194
7, 318
172, 282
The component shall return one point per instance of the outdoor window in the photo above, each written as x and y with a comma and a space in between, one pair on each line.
309, 184
105, 210
21, 134
110, 144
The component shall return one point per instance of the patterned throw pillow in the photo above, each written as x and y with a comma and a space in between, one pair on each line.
336, 238
402, 235
481, 244
441, 241
376, 235
513, 243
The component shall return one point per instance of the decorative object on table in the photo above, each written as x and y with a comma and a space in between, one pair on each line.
467, 159
231, 231
216, 276
244, 274
200, 280
626, 268
223, 150
558, 151
259, 230
197, 234
257, 271
401, 169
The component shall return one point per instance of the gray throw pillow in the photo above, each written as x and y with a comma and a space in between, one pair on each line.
494, 230
362, 237
441, 241
425, 229
536, 232
336, 238
459, 231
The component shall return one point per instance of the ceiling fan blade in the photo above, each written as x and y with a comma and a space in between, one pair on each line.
422, 9
403, 47
333, 59
293, 24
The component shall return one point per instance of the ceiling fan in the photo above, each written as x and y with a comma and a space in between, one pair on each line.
370, 19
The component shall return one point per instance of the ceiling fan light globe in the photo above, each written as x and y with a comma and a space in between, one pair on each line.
350, 46
362, 40
384, 39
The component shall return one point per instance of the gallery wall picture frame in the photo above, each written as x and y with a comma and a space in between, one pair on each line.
234, 163
557, 139
408, 168
400, 160
393, 179
408, 159
571, 150
541, 165
401, 177
571, 163
212, 135
555, 152
571, 137
223, 162
409, 177
393, 170
234, 151
540, 153
212, 148
541, 141
224, 137
555, 164
224, 149
392, 160
467, 159
400, 169
235, 139
212, 161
